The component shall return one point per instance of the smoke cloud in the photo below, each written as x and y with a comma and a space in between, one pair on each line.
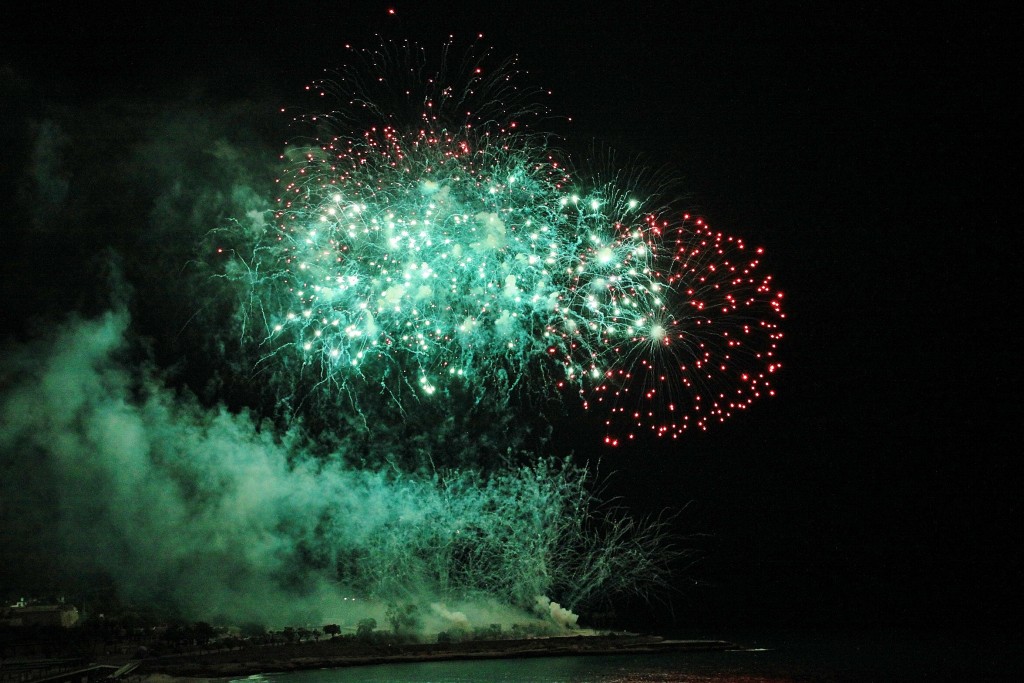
207, 508
199, 507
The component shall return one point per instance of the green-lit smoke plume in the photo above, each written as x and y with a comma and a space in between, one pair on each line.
221, 518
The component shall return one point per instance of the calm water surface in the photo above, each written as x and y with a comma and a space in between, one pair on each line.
785, 659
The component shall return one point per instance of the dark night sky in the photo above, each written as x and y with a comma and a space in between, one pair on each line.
874, 154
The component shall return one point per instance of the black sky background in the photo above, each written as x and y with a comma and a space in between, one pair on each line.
875, 154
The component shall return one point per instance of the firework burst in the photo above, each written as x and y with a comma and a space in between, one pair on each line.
427, 241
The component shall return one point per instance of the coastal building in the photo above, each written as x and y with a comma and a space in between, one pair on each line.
61, 615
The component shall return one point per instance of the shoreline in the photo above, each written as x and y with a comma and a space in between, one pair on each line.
341, 654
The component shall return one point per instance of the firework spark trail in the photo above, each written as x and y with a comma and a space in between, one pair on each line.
452, 249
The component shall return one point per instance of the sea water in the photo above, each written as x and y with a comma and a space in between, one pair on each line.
878, 656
